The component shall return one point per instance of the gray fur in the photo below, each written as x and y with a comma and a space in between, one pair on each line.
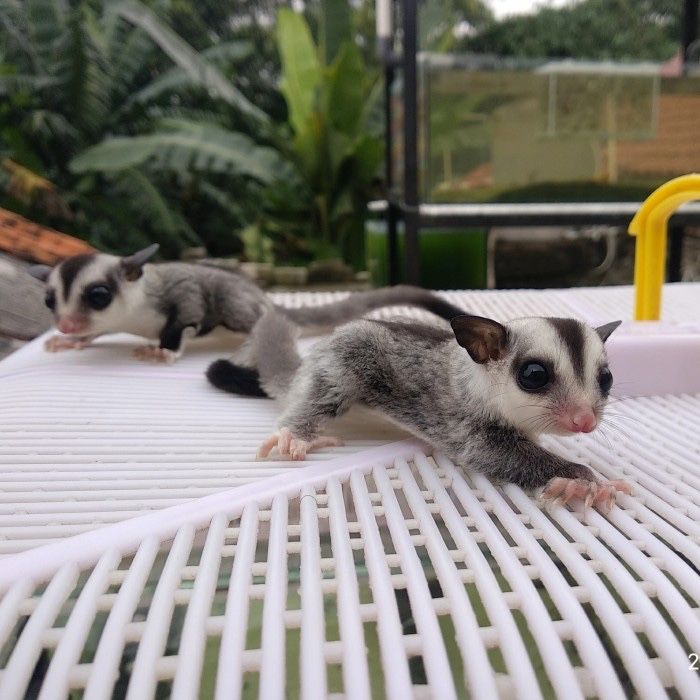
169, 301
427, 383
361, 302
39, 272
141, 257
271, 347
605, 331
205, 297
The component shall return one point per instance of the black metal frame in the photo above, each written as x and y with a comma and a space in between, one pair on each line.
406, 204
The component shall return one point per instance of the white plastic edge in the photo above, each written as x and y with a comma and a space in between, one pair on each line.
84, 550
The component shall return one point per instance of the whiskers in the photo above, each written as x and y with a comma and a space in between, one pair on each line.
613, 422
540, 422
601, 433
614, 398
616, 422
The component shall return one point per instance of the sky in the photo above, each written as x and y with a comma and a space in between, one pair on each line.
504, 8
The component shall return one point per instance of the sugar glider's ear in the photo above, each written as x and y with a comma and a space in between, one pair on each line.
132, 265
40, 272
482, 338
605, 331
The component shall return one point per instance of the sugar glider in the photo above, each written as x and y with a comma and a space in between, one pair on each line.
94, 294
481, 393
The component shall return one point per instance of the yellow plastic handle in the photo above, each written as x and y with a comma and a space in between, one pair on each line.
650, 225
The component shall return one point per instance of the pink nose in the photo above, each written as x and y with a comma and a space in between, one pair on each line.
71, 324
583, 422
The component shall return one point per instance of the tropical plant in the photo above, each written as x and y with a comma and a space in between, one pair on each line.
147, 138
112, 90
330, 95
203, 23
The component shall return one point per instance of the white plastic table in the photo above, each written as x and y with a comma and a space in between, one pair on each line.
145, 551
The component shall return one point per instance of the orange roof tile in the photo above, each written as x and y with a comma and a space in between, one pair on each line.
30, 241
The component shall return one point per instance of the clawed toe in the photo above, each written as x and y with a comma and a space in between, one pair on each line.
298, 449
155, 354
622, 486
561, 491
143, 353
284, 441
267, 446
57, 343
287, 445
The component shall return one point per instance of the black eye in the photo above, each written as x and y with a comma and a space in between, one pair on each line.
605, 380
533, 376
50, 299
98, 297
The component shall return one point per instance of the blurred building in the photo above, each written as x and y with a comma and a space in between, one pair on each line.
491, 126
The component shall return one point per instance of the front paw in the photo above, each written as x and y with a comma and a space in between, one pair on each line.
287, 445
152, 353
58, 343
562, 491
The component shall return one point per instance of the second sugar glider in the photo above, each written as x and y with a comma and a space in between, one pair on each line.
481, 392
94, 294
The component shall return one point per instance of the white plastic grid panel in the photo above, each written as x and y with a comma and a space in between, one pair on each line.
389, 573
93, 437
679, 302
81, 449
480, 590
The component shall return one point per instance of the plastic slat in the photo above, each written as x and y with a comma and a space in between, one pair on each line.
507, 599
411, 514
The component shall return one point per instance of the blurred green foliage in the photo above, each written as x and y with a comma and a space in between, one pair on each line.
330, 96
237, 124
163, 121
589, 29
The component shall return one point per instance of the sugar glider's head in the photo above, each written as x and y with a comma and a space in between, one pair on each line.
90, 294
542, 375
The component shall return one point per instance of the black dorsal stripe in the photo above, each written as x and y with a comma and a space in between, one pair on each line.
70, 269
571, 333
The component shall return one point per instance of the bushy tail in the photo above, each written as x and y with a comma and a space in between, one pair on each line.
272, 350
236, 379
362, 302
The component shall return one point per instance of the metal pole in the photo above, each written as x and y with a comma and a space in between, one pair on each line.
690, 25
391, 211
385, 50
410, 155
